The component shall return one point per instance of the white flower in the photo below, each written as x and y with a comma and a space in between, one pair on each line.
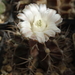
39, 22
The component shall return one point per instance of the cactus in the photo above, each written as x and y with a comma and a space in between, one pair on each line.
25, 56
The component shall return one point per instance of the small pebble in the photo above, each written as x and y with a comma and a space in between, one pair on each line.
8, 68
38, 73
0, 38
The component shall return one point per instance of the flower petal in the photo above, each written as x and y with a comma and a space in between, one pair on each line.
42, 8
56, 17
49, 33
56, 29
40, 37
25, 28
52, 26
34, 9
46, 38
24, 24
48, 14
28, 14
26, 32
33, 37
53, 17
21, 16
36, 6
59, 21
51, 13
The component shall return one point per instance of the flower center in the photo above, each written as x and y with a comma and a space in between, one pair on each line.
39, 23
